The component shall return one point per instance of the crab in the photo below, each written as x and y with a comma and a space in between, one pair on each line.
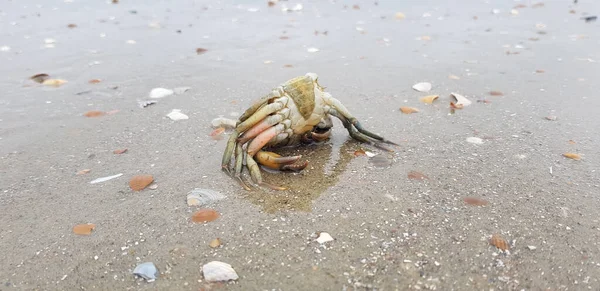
297, 111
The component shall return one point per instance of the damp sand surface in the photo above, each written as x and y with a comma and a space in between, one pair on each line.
391, 232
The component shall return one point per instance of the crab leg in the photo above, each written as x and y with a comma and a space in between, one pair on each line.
277, 162
341, 109
260, 127
239, 159
256, 176
354, 133
242, 127
263, 138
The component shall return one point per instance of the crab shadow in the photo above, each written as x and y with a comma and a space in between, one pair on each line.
326, 162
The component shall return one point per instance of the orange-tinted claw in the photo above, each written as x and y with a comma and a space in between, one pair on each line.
273, 160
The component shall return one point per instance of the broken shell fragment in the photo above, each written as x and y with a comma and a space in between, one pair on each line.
429, 99
216, 271
422, 87
146, 270
177, 115
39, 78
460, 99
324, 237
139, 182
104, 179
54, 82
205, 215
408, 110
573, 156
215, 243
84, 229
160, 93
198, 197
499, 242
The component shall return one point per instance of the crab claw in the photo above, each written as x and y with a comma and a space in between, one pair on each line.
274, 161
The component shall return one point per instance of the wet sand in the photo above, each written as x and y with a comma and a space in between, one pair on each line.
391, 232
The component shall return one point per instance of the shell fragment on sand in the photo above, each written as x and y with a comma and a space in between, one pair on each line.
216, 271
422, 87
198, 197
147, 271
460, 100
104, 179
177, 115
324, 237
160, 93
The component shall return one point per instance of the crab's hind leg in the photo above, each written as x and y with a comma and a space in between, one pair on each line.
343, 111
356, 134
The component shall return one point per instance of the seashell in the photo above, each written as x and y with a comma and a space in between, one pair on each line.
84, 229
104, 179
408, 110
215, 243
216, 271
429, 99
499, 242
160, 93
312, 50
461, 101
572, 156
177, 115
119, 151
474, 140
139, 182
54, 82
146, 270
496, 93
205, 215
324, 237
39, 78
203, 197
422, 87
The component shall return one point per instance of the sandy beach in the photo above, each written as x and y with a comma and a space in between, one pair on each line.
520, 162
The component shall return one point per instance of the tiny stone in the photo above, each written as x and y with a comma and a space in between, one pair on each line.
531, 247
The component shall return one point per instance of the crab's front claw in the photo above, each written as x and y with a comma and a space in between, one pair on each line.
276, 162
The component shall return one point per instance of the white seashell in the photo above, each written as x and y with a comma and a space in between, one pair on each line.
422, 87
312, 50
181, 90
160, 92
223, 122
474, 140
460, 99
216, 271
147, 271
324, 237
104, 179
203, 196
177, 115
